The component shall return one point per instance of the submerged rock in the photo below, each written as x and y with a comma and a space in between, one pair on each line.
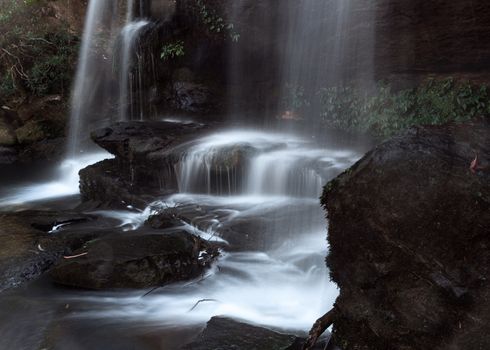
409, 237
135, 261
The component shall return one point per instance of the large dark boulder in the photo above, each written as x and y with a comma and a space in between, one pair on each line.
409, 237
135, 260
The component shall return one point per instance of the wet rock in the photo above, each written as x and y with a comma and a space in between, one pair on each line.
135, 261
7, 134
163, 219
143, 168
104, 183
135, 140
227, 334
191, 97
408, 234
29, 248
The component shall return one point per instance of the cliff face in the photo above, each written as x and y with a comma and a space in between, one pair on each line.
408, 231
418, 38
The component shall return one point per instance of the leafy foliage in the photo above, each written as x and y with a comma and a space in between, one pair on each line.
386, 111
172, 50
35, 58
215, 23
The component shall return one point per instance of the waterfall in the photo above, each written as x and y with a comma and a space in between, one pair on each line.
93, 91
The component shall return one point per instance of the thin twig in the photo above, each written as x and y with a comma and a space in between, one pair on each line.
75, 256
202, 301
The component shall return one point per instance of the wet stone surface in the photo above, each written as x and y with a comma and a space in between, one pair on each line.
135, 260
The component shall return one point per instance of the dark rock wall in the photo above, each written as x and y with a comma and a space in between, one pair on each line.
417, 38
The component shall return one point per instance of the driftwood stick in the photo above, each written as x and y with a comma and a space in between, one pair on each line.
318, 329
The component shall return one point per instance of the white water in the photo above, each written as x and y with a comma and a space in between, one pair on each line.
285, 285
92, 91
258, 163
64, 183
84, 86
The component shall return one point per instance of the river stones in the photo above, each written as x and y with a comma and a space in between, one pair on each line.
409, 237
135, 260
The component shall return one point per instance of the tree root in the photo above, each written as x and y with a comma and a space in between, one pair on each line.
318, 329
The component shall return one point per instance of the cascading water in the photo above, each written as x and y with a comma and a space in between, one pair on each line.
90, 96
86, 78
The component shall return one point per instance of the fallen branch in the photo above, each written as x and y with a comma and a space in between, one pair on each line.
318, 329
201, 301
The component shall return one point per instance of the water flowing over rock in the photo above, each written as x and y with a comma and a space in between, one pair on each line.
94, 82
408, 231
144, 166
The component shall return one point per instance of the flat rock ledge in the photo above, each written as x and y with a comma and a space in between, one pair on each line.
143, 168
409, 233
